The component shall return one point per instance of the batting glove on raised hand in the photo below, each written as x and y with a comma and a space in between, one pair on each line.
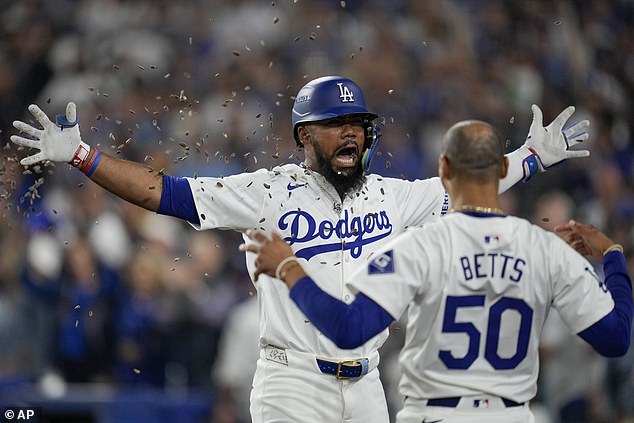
60, 142
551, 145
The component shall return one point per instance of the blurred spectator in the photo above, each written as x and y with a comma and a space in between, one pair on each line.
86, 309
19, 361
201, 293
574, 396
233, 371
41, 278
141, 321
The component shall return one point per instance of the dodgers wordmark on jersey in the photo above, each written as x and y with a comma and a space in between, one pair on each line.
479, 290
331, 237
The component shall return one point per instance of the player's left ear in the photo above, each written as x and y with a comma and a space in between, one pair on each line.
304, 135
505, 168
444, 169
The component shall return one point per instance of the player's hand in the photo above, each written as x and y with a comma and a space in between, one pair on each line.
585, 239
270, 252
58, 142
553, 144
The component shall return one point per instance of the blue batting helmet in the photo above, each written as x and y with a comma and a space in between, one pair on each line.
329, 97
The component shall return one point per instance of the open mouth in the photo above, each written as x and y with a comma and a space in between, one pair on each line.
346, 156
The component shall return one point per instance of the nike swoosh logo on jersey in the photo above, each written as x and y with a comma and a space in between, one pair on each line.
292, 187
431, 421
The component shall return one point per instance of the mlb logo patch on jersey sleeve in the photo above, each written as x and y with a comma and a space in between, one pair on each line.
383, 263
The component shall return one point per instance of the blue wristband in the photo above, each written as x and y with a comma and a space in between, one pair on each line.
530, 166
94, 165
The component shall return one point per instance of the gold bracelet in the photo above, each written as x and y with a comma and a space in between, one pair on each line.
287, 268
613, 247
283, 264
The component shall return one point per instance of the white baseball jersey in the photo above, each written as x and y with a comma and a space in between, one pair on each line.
479, 290
332, 237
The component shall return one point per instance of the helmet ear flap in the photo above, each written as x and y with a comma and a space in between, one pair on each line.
372, 138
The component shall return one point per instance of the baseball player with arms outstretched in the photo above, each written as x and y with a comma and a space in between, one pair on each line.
330, 211
479, 285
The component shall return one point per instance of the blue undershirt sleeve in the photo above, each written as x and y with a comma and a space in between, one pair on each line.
347, 325
177, 199
611, 336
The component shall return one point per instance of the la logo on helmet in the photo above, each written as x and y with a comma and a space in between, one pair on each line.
345, 94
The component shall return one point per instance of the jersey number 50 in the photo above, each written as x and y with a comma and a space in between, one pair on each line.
492, 341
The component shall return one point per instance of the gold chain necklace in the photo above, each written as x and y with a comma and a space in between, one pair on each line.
478, 209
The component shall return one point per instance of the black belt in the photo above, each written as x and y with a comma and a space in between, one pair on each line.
344, 369
453, 402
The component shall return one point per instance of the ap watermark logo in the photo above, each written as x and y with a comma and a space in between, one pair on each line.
21, 414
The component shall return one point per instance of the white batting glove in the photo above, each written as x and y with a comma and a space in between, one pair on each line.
59, 142
548, 146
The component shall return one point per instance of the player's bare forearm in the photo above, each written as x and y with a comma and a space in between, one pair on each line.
133, 182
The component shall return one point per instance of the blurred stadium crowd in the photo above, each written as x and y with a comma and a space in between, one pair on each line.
94, 290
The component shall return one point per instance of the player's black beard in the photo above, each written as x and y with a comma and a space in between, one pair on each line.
343, 183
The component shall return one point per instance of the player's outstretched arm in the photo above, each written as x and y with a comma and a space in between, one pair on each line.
133, 182
610, 336
61, 142
545, 146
